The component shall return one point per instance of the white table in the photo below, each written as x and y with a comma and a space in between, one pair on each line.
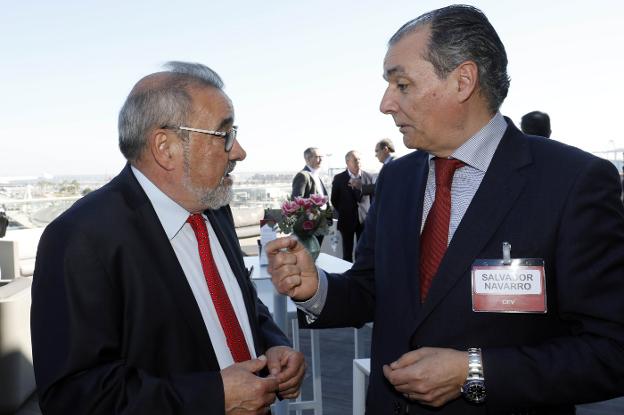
280, 306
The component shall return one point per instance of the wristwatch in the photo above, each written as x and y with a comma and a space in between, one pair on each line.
474, 387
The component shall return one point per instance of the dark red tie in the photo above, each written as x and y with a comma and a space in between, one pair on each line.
434, 238
231, 328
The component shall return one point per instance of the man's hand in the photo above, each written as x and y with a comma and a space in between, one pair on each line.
292, 269
431, 376
288, 367
355, 183
246, 393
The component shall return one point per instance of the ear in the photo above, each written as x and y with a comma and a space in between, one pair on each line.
164, 148
467, 80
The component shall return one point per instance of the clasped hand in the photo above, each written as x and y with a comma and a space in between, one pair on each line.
431, 376
247, 393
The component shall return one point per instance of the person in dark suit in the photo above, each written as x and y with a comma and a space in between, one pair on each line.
351, 205
141, 303
308, 181
536, 123
384, 150
489, 191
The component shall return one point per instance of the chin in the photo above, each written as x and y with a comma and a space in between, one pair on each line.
410, 142
227, 181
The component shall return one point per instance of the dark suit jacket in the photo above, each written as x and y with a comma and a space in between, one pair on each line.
115, 326
549, 201
303, 184
345, 200
369, 189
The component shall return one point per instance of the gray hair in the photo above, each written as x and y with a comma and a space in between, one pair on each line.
158, 100
350, 154
386, 143
461, 33
308, 153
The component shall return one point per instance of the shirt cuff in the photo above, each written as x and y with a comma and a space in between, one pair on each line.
313, 307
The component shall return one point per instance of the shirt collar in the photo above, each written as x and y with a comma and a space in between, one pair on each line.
353, 176
313, 171
172, 216
479, 149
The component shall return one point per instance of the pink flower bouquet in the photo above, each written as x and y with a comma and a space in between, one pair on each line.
304, 216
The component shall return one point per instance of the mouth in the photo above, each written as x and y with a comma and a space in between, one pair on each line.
228, 178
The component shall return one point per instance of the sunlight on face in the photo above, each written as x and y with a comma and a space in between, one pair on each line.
420, 102
208, 198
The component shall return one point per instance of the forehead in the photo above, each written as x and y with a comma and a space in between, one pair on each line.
408, 53
212, 105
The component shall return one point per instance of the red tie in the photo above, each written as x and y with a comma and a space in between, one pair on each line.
231, 328
434, 238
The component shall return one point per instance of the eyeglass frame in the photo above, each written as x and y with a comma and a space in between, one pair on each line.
228, 136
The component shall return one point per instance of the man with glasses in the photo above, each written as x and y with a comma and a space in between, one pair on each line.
140, 300
308, 181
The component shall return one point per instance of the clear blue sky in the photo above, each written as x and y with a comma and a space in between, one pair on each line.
299, 73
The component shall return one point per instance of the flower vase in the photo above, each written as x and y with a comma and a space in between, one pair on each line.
311, 244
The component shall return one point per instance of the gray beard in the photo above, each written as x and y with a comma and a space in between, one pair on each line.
215, 198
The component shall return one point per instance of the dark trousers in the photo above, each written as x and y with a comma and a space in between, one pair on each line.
347, 241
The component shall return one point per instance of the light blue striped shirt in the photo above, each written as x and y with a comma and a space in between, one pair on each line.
476, 153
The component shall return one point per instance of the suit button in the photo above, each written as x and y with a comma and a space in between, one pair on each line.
396, 406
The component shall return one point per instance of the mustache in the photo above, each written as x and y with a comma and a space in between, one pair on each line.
230, 167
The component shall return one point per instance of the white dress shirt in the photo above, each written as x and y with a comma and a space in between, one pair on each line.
317, 181
173, 220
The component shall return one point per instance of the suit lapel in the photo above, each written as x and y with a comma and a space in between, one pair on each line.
166, 262
411, 208
497, 193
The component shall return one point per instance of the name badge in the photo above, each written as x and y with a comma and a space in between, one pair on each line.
509, 285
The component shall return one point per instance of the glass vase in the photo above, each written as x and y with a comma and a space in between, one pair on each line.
311, 244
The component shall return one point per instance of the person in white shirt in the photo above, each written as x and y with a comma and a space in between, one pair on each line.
308, 181
141, 302
350, 202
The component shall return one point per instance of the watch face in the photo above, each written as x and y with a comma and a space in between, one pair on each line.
474, 391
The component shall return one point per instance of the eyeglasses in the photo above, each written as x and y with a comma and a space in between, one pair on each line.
228, 136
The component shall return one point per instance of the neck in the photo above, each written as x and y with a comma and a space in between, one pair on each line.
167, 184
472, 121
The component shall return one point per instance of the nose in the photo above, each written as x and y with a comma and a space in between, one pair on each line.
237, 153
388, 104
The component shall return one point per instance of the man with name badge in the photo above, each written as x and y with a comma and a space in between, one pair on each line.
492, 262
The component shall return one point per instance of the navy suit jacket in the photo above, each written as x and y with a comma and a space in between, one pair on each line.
550, 201
115, 326
345, 200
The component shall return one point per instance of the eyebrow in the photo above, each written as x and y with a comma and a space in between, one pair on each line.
224, 122
394, 71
